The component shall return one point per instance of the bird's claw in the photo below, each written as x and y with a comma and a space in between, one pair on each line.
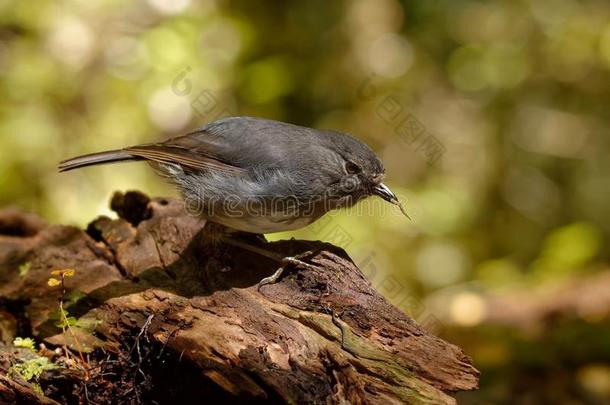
293, 260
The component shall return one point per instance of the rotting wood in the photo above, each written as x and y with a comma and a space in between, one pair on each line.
166, 317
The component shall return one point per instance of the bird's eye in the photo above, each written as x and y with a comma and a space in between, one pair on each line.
352, 168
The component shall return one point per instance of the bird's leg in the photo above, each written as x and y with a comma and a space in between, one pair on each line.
284, 261
294, 260
212, 237
213, 234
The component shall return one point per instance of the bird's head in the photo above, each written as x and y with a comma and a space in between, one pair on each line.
360, 173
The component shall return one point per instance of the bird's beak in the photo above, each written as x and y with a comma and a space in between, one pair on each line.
384, 192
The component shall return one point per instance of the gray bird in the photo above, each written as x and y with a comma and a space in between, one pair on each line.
257, 175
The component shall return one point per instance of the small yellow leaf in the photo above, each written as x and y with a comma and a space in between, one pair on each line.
63, 272
68, 273
53, 282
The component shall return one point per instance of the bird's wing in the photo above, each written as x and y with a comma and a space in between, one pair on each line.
187, 152
236, 145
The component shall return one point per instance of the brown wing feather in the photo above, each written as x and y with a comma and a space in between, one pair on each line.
177, 155
189, 151
199, 142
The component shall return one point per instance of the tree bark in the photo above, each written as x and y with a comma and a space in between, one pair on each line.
164, 316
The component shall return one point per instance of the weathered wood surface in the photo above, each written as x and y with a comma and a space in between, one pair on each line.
167, 318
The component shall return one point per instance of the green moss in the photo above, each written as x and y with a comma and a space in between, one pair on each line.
31, 369
26, 343
24, 268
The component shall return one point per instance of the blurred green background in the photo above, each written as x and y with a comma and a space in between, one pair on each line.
507, 251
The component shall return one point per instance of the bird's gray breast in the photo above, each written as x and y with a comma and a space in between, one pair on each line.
266, 202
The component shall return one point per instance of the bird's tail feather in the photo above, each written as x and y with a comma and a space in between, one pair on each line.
110, 156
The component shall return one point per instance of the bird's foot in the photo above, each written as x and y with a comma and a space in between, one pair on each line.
295, 260
285, 262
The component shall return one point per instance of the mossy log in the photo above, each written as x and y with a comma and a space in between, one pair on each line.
157, 315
